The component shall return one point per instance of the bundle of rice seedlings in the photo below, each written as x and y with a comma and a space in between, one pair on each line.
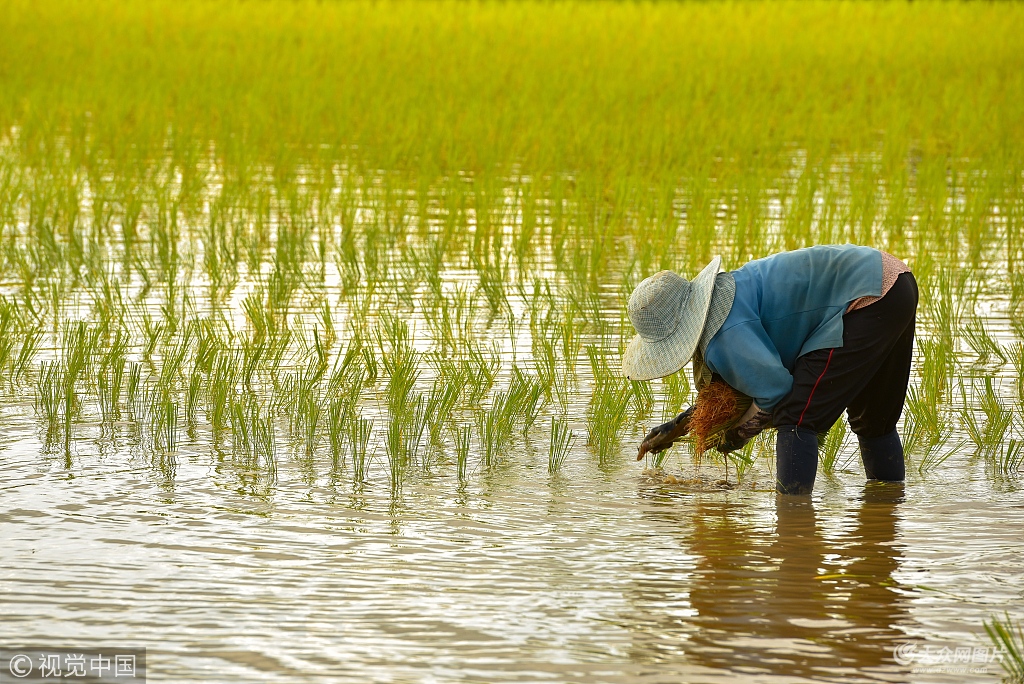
718, 408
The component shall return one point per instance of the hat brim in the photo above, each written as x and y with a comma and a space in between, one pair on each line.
645, 360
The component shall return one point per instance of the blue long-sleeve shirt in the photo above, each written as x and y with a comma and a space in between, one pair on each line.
788, 305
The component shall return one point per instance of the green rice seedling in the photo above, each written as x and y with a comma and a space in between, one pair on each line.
29, 347
608, 408
496, 427
934, 454
163, 415
481, 368
441, 401
463, 436
338, 416
986, 437
984, 345
677, 394
253, 434
1009, 458
830, 448
396, 450
360, 430
220, 388
133, 393
926, 427
642, 400
572, 341
8, 327
742, 459
50, 393
1017, 356
524, 399
562, 441
1008, 638
192, 395
417, 427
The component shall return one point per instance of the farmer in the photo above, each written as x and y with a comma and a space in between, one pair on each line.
805, 334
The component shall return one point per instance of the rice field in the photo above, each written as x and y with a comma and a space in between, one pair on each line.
381, 251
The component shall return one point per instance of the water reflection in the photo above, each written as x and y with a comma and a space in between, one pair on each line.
782, 596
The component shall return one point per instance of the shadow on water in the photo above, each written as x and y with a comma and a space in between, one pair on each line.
778, 599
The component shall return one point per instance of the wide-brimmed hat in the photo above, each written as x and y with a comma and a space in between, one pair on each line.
668, 312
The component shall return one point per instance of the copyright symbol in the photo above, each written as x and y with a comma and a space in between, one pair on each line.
20, 665
905, 653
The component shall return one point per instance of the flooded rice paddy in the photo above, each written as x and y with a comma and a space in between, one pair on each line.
311, 317
299, 501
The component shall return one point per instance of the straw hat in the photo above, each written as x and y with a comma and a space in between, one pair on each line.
669, 312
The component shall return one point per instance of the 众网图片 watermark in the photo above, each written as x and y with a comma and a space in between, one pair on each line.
949, 659
48, 664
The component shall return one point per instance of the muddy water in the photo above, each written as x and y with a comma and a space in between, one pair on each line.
596, 575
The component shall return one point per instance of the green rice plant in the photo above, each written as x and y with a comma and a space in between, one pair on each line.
337, 415
562, 441
463, 436
50, 393
360, 430
1008, 638
396, 450
252, 430
986, 437
1017, 356
642, 401
133, 389
524, 399
830, 448
163, 416
677, 394
441, 401
608, 408
1009, 458
742, 459
192, 395
29, 347
984, 345
220, 389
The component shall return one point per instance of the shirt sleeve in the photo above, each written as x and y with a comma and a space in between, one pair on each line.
746, 359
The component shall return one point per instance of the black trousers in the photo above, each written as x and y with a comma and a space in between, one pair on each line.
867, 376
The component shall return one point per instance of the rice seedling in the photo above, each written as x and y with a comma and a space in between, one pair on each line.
1009, 458
360, 430
463, 437
337, 416
984, 345
677, 394
1008, 638
831, 447
562, 440
608, 408
496, 428
441, 401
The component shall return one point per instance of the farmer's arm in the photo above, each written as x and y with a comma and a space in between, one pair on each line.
748, 361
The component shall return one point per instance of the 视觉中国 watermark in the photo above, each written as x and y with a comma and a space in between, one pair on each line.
48, 664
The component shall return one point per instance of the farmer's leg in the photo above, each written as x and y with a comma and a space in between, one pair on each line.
827, 381
874, 412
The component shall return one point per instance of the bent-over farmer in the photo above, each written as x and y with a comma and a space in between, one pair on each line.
805, 334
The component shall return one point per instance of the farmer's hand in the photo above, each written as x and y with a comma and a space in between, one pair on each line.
732, 441
665, 435
738, 436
